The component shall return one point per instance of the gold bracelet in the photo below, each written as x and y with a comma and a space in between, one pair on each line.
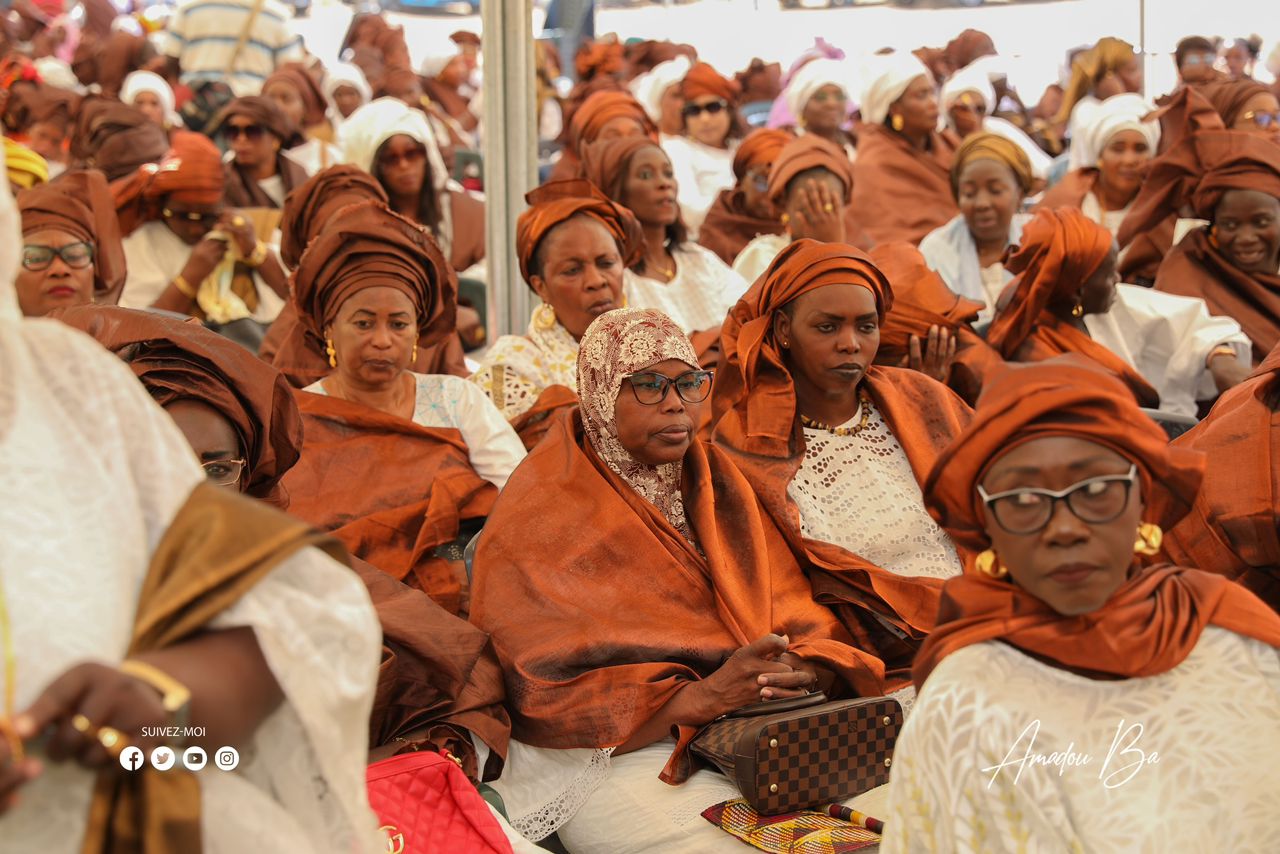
258, 257
1220, 350
184, 287
175, 697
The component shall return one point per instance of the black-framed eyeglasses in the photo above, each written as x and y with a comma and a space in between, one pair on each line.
650, 388
223, 472
1095, 501
77, 256
253, 133
208, 220
711, 108
1262, 119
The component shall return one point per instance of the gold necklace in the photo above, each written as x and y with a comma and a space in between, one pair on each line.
10, 680
864, 403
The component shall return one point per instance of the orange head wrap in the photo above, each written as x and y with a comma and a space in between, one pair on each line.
802, 154
759, 148
600, 109
760, 81
556, 202
80, 204
116, 138
1060, 250
920, 299
190, 174
295, 74
991, 146
598, 58
968, 46
605, 162
313, 206
703, 80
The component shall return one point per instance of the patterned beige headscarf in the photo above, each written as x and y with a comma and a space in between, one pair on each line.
618, 343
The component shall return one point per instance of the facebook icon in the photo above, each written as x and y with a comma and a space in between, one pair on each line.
132, 758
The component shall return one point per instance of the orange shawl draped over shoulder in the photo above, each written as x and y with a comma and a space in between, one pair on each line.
601, 611
389, 489
1234, 526
899, 192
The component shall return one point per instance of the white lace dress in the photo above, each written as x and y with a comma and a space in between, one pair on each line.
518, 368
1209, 730
700, 295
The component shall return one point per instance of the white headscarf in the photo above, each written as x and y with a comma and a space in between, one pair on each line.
1117, 113
345, 74
437, 57
147, 81
890, 77
10, 249
972, 78
57, 73
649, 87
811, 77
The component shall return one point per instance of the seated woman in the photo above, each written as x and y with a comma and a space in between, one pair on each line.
371, 287
818, 96
347, 90
394, 144
658, 91
1113, 149
836, 447
299, 98
702, 155
1066, 299
271, 639
810, 183
573, 245
675, 276
1109, 68
153, 96
745, 212
602, 116
257, 133
600, 670
185, 251
990, 178
1149, 685
901, 179
968, 101
71, 250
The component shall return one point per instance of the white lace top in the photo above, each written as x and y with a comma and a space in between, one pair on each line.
1213, 722
518, 368
700, 295
859, 493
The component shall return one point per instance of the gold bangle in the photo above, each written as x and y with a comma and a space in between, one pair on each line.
258, 257
184, 287
1220, 350
174, 695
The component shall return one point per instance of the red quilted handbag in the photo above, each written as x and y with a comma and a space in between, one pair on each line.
425, 804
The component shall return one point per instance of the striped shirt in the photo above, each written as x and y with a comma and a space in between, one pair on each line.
202, 35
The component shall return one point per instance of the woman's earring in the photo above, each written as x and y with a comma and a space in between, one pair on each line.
897, 123
1077, 310
989, 565
786, 218
1149, 539
333, 354
1213, 236
544, 317
413, 357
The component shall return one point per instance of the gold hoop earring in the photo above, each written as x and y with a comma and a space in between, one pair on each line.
1149, 539
989, 565
331, 352
897, 123
1077, 310
544, 317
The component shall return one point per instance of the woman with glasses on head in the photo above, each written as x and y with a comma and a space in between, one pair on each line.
1075, 697
745, 211
257, 134
653, 615
71, 250
703, 155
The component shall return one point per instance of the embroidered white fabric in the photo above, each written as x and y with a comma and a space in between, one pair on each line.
527, 364
1212, 722
757, 255
543, 788
860, 493
700, 295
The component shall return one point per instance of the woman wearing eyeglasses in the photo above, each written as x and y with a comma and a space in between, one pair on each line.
71, 250
703, 156
651, 615
837, 446
745, 212
257, 134
1075, 697
394, 143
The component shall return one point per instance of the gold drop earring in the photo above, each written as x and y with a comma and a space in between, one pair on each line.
1150, 536
897, 123
989, 565
332, 353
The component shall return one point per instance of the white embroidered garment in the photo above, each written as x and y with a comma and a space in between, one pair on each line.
700, 295
1212, 721
950, 251
518, 368
1168, 339
701, 172
448, 401
860, 493
757, 255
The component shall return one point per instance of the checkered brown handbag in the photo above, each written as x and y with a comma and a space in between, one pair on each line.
786, 755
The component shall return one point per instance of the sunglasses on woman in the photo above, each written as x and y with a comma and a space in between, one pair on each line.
711, 108
408, 156
77, 256
1094, 501
1261, 119
253, 133
651, 388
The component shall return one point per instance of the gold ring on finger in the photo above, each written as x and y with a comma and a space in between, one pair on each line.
828, 208
238, 221
81, 724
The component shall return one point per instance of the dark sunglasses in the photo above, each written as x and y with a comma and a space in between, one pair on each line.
1262, 119
208, 220
711, 108
409, 157
253, 133
77, 256
651, 388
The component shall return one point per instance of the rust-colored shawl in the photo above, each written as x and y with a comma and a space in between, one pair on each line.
216, 549
921, 300
756, 422
312, 207
115, 138
587, 121
899, 192
1060, 250
1155, 619
728, 226
1071, 191
80, 204
1234, 527
389, 489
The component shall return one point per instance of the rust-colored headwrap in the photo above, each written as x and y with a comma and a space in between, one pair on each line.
369, 36
808, 152
107, 61
1228, 97
702, 80
759, 81
190, 174
80, 204
644, 56
600, 109
41, 102
595, 58
968, 46
261, 111
372, 246
935, 59
991, 146
759, 148
464, 37
295, 74
314, 205
1154, 620
181, 360
605, 162
116, 138
555, 202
